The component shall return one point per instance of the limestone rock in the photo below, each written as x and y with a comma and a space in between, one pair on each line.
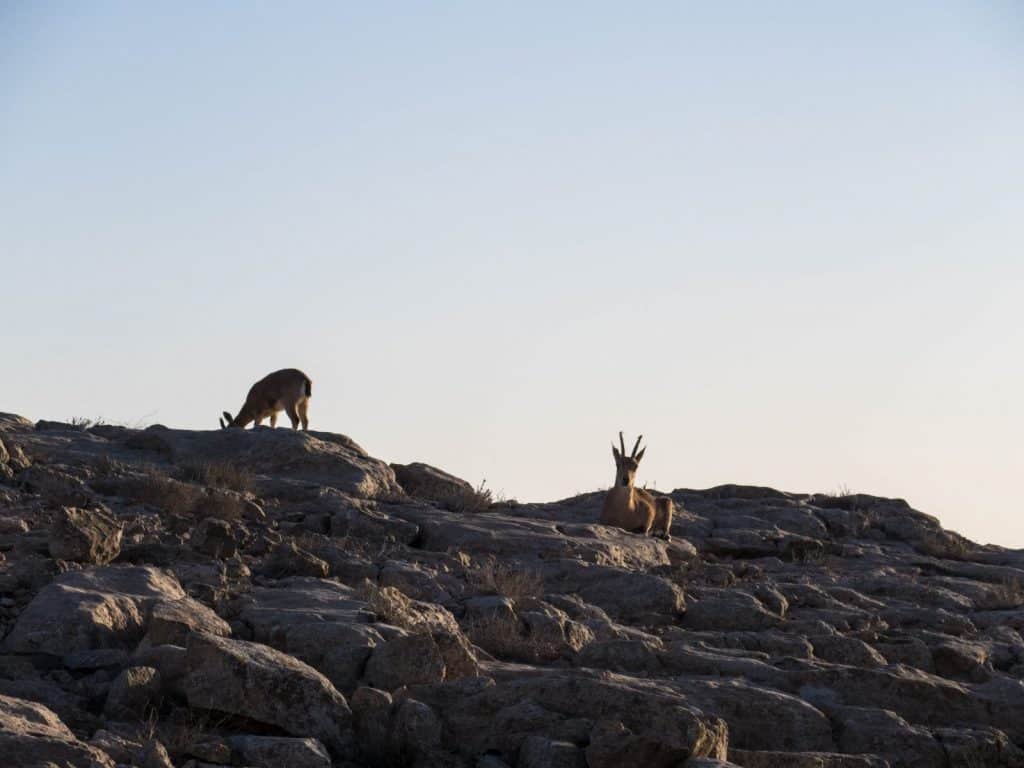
257, 682
104, 607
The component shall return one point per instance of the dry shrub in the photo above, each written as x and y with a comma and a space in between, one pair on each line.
511, 581
84, 423
505, 637
217, 474
216, 503
171, 496
107, 466
469, 500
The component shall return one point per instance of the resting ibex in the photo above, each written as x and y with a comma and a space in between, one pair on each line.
631, 508
287, 390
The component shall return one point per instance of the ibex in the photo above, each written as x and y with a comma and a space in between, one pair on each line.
287, 390
632, 508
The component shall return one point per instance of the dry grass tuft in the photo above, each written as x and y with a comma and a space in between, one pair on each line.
390, 605
156, 490
217, 474
497, 578
185, 731
171, 496
84, 424
217, 503
943, 545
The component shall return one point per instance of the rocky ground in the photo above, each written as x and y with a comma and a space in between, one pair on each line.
283, 600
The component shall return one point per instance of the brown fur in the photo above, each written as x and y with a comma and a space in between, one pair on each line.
286, 390
631, 508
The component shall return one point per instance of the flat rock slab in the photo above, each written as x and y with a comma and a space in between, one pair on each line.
321, 458
647, 721
502, 535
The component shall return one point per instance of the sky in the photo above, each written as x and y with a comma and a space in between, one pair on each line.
781, 240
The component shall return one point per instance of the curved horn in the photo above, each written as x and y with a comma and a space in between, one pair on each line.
635, 446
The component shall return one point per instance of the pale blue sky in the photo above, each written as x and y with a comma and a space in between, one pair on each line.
784, 240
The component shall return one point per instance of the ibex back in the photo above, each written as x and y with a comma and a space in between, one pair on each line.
286, 390
632, 508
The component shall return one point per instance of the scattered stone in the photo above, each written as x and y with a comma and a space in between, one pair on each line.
85, 536
288, 559
134, 692
215, 537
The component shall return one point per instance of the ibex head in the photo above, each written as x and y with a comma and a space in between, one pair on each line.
227, 421
625, 466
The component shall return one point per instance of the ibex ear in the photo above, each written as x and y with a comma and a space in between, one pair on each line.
641, 454
222, 424
616, 454
227, 419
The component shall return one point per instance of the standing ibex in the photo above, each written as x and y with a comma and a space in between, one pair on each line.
631, 508
287, 390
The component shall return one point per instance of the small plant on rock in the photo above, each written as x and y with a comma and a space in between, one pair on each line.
511, 581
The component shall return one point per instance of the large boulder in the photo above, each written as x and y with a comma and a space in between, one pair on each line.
85, 536
106, 607
398, 732
252, 680
170, 622
426, 482
32, 736
407, 660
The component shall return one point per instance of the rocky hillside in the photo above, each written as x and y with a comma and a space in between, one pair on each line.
283, 600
